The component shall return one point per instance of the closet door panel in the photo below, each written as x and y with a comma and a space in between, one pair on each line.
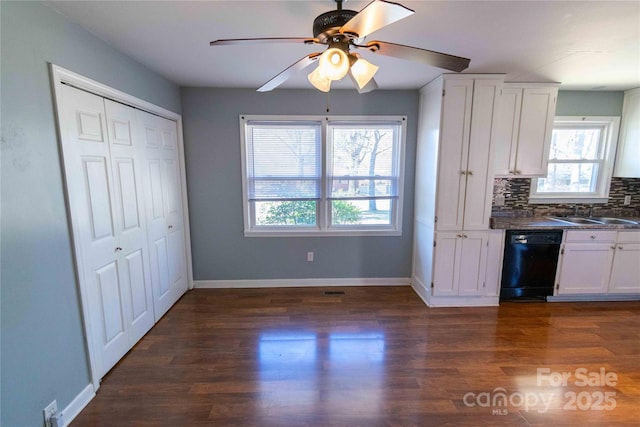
89, 181
127, 157
99, 207
127, 188
108, 289
164, 206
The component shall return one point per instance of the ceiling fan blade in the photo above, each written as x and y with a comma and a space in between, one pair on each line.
429, 57
375, 15
284, 75
222, 42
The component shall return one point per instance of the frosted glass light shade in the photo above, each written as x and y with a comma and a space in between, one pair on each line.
363, 71
334, 64
319, 81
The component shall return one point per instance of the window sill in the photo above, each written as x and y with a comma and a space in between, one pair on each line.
323, 233
567, 200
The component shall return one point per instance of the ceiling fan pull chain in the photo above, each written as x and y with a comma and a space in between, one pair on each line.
328, 101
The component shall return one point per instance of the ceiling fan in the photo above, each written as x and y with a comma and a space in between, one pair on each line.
341, 30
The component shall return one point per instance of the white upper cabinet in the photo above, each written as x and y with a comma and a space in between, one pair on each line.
523, 132
464, 177
628, 157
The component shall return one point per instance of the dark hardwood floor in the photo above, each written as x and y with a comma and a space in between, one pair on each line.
375, 356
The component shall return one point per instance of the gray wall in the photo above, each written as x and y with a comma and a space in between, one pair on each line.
212, 144
589, 103
43, 349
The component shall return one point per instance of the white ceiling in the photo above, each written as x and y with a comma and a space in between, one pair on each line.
590, 45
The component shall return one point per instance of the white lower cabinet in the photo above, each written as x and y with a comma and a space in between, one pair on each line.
460, 263
599, 262
625, 270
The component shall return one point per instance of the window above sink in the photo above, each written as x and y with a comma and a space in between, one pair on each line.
580, 161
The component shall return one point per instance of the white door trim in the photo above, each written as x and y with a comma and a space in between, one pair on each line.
60, 76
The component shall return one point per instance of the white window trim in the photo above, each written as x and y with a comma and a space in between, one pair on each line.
324, 228
612, 126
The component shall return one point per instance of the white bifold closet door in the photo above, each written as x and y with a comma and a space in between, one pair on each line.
127, 218
164, 205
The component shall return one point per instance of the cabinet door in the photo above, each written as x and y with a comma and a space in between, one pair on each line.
446, 263
473, 263
479, 185
628, 157
460, 264
585, 268
625, 272
506, 136
536, 125
452, 159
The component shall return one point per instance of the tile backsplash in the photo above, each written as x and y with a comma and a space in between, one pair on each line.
516, 200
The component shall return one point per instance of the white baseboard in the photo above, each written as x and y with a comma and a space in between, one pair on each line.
78, 404
452, 301
298, 283
420, 289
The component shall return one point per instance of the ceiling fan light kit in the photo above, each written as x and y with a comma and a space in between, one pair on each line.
342, 30
333, 63
319, 81
363, 72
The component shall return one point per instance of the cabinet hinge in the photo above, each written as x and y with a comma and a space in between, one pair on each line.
435, 218
557, 286
562, 251
432, 285
442, 92
484, 284
434, 243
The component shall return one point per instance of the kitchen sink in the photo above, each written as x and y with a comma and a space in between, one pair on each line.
615, 221
575, 220
592, 220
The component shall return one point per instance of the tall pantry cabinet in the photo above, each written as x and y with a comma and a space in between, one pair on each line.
124, 178
454, 181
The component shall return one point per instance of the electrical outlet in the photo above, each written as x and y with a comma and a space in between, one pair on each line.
310, 256
627, 200
49, 411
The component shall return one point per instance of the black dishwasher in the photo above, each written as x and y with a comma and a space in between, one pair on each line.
529, 265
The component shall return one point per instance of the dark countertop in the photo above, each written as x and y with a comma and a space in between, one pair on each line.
542, 223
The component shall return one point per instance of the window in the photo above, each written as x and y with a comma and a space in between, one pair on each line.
322, 175
580, 161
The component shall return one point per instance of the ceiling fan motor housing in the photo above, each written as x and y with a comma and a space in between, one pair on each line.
328, 24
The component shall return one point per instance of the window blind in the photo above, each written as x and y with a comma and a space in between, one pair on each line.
284, 161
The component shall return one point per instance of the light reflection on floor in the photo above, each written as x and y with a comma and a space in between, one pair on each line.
352, 367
